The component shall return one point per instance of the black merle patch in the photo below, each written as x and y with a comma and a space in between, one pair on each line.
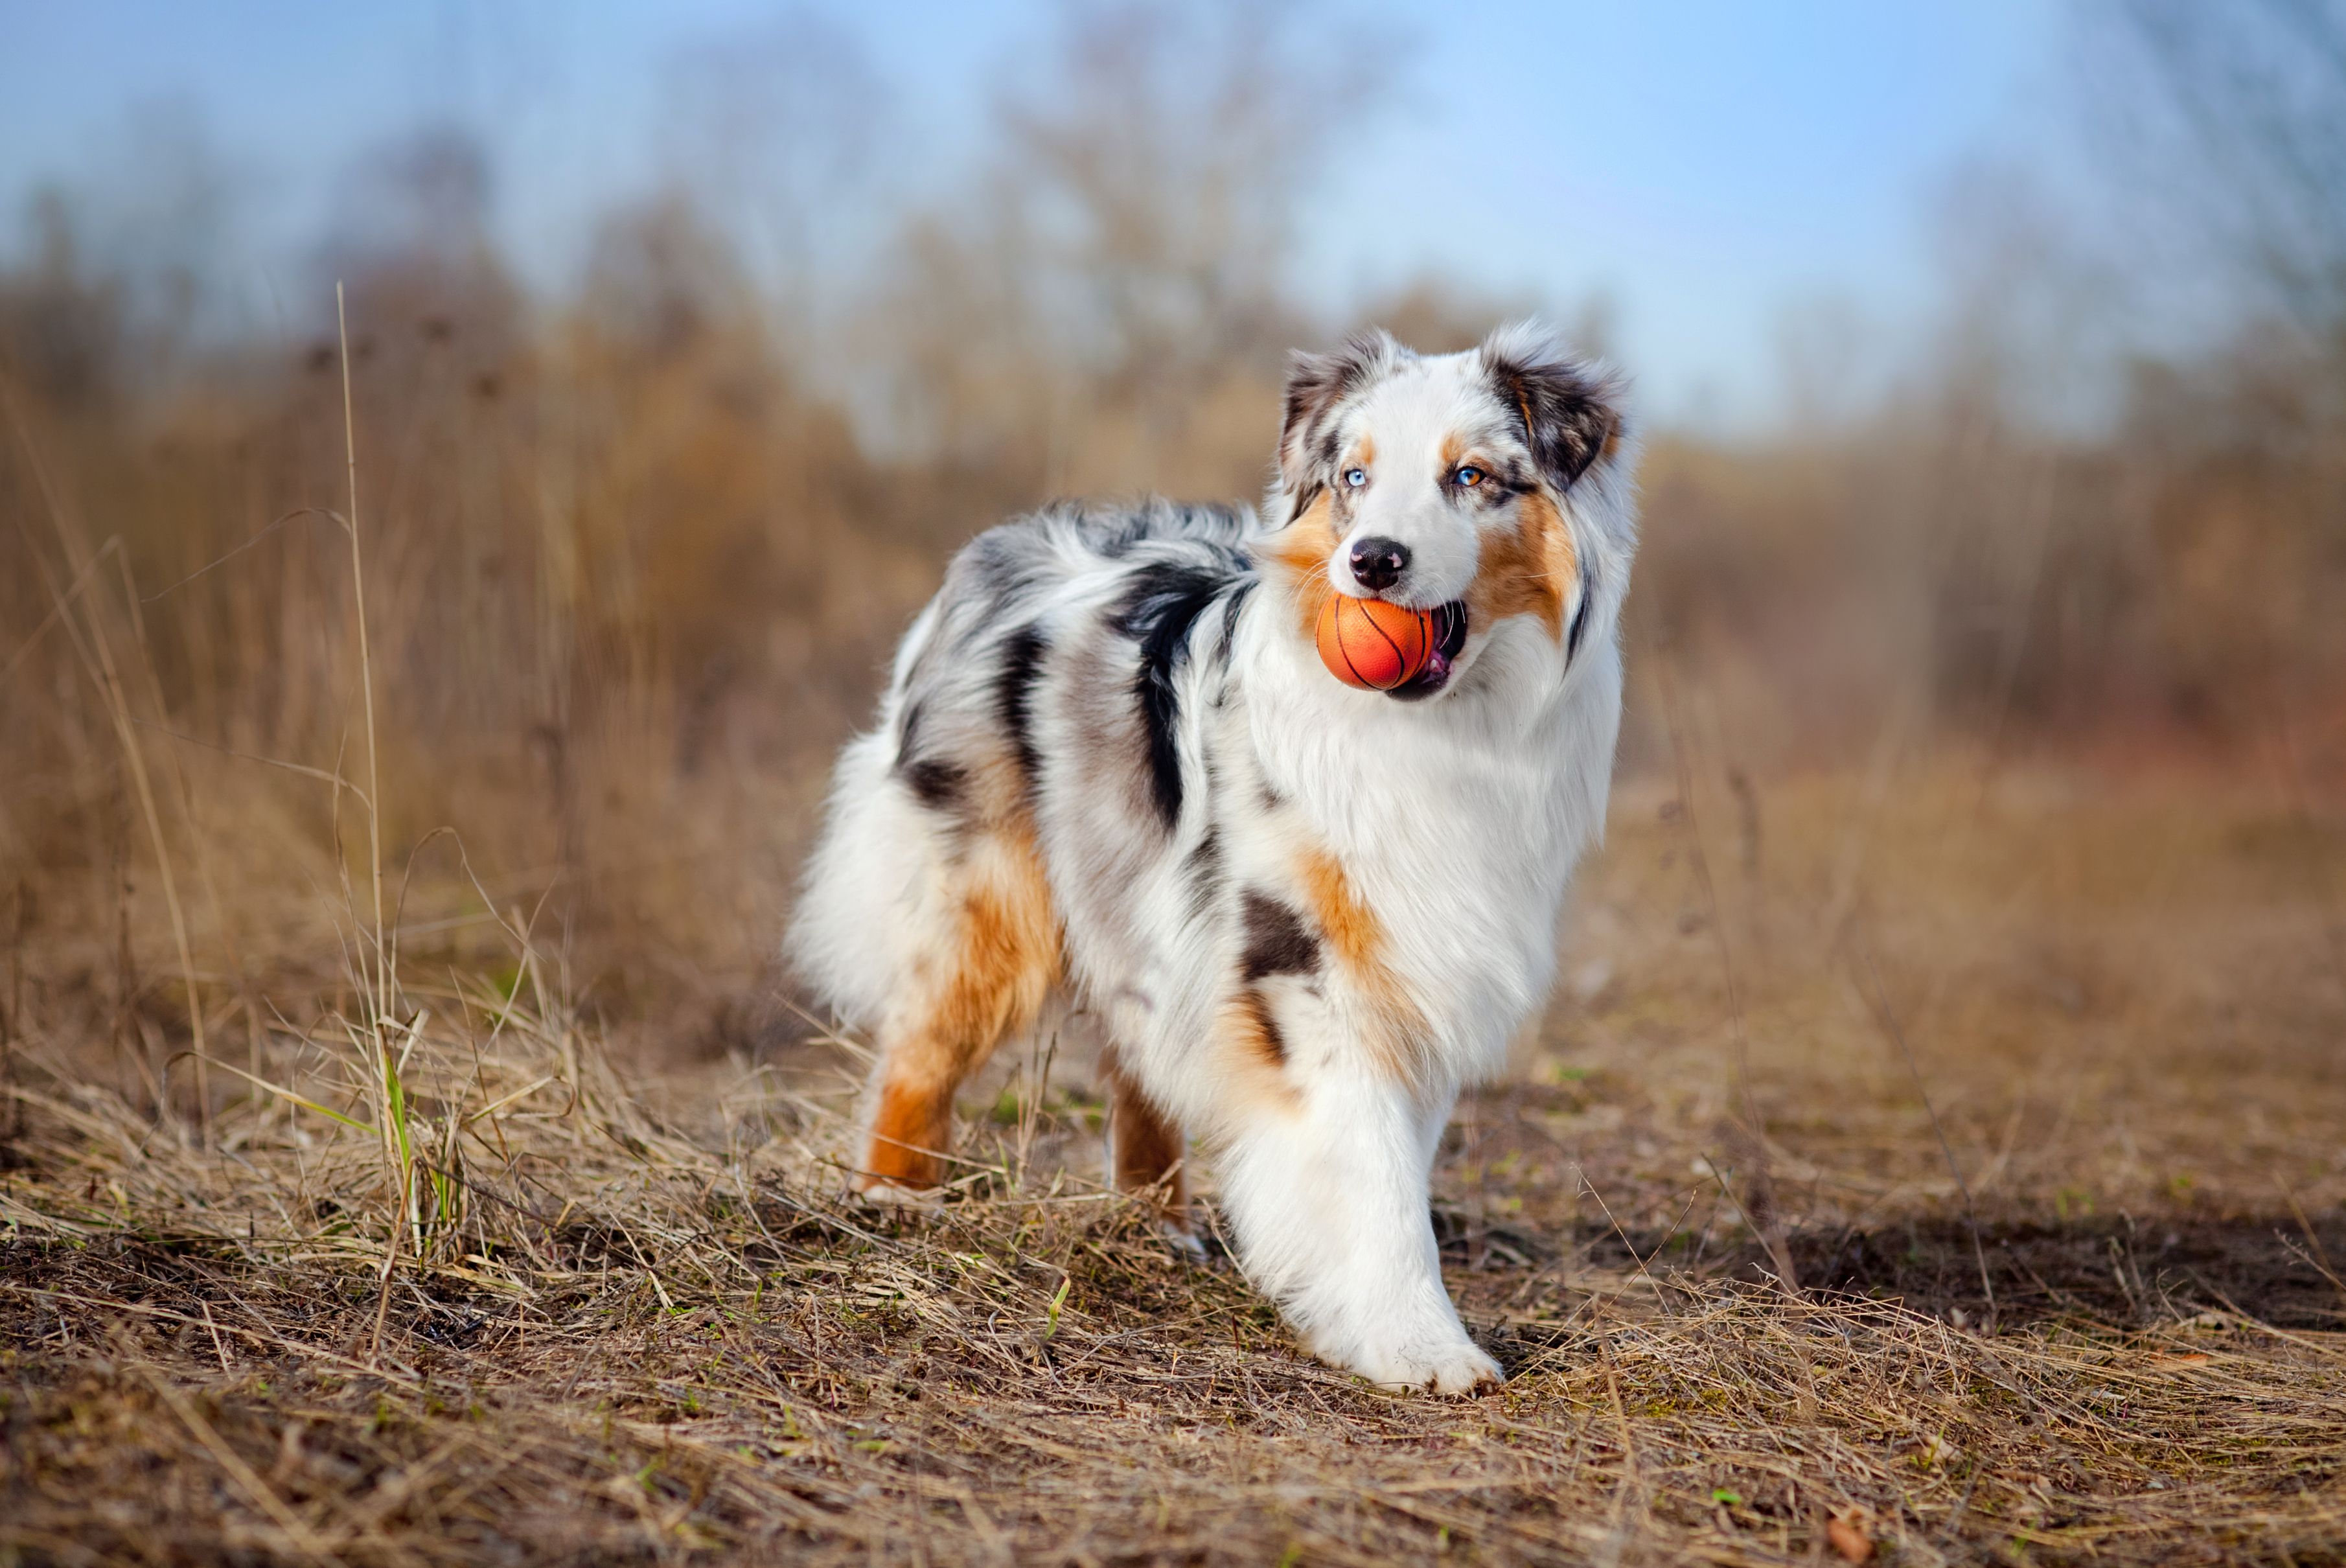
1276, 941
1002, 573
940, 785
1566, 413
937, 782
1580, 616
1316, 386
908, 733
1230, 608
1114, 534
1116, 537
1158, 611
1023, 652
1204, 864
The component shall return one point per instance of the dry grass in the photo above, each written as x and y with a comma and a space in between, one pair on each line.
1935, 1153
638, 1318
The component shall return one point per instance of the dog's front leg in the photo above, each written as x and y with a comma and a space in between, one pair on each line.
1327, 1194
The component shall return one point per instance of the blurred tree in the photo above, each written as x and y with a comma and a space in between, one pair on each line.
1165, 158
411, 240
772, 131
61, 327
661, 282
1436, 316
1828, 353
128, 259
424, 195
1124, 256
162, 210
2238, 115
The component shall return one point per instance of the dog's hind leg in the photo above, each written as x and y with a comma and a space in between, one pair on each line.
1146, 1151
996, 958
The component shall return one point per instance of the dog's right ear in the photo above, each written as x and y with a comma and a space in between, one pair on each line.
1317, 386
1570, 406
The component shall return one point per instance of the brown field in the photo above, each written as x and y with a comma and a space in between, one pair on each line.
411, 1151
628, 1312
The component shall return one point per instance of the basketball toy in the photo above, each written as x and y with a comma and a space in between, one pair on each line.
1371, 644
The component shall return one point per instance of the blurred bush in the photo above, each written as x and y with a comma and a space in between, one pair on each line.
634, 554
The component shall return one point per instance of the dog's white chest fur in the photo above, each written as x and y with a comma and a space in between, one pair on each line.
1458, 826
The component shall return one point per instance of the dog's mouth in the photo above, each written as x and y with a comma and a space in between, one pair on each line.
1450, 640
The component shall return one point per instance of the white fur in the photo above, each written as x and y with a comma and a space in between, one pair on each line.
1457, 822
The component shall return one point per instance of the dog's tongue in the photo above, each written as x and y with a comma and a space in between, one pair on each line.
1435, 673
1431, 677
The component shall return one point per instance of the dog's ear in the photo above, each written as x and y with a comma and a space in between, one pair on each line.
1570, 407
1316, 386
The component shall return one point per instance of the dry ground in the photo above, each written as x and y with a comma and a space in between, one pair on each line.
627, 1314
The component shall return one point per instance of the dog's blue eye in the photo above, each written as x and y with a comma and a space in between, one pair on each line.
1468, 477
1356, 477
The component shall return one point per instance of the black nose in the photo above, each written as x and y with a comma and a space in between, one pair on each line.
1378, 563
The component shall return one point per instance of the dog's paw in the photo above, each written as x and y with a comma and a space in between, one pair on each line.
887, 1195
1185, 1244
1450, 1367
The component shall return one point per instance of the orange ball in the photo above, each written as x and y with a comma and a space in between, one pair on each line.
1371, 644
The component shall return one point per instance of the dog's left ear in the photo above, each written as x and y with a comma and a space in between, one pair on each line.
1569, 406
1317, 385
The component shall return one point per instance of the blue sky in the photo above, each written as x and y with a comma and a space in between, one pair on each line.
1702, 164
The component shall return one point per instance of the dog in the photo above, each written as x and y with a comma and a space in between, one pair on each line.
1110, 768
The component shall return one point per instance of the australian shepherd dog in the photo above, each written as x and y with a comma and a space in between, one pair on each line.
1111, 769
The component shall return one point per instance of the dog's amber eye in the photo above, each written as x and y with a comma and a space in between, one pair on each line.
1356, 477
1468, 477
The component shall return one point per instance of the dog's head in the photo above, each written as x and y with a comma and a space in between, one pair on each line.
1457, 483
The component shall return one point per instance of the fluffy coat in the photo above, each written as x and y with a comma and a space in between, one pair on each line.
1110, 767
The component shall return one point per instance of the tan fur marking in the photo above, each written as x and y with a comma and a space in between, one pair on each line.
911, 1131
1350, 925
1149, 1147
1453, 452
1529, 568
1352, 929
1262, 1030
1247, 1056
1001, 798
1304, 548
1007, 963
